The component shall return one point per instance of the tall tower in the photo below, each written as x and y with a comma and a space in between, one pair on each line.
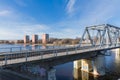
26, 39
45, 38
34, 39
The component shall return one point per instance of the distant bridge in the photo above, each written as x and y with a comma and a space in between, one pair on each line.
95, 38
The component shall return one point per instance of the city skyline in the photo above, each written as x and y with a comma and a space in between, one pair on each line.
59, 18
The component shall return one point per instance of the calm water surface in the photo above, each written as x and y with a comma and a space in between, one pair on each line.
66, 71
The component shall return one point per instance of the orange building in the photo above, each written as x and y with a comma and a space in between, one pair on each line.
34, 39
45, 38
26, 39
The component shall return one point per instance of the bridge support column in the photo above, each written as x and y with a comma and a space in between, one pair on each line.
117, 54
77, 69
117, 51
5, 59
77, 64
86, 65
99, 65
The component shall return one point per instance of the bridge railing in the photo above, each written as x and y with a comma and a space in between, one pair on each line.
30, 48
12, 49
11, 56
22, 49
32, 55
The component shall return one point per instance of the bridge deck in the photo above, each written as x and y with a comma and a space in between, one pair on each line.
27, 56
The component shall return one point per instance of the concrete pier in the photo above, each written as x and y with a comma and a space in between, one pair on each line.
77, 69
96, 66
86, 65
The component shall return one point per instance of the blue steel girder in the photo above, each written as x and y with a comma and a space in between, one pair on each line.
81, 39
102, 42
90, 38
104, 33
108, 33
98, 36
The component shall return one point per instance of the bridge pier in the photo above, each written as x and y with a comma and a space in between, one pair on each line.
77, 64
117, 54
96, 66
78, 73
86, 65
83, 65
77, 69
117, 51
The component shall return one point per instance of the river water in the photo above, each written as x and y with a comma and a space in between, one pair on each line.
65, 71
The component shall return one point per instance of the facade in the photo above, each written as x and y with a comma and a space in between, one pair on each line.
26, 39
34, 39
45, 38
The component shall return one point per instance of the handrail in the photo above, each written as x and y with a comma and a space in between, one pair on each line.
27, 54
14, 49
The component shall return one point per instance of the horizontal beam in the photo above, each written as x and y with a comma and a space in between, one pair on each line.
102, 27
113, 26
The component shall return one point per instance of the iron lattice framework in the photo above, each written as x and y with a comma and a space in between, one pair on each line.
104, 34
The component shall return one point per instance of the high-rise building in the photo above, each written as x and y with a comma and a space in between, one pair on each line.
26, 39
45, 38
34, 39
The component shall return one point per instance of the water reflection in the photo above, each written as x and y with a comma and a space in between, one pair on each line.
35, 71
11, 48
52, 74
44, 46
85, 75
117, 55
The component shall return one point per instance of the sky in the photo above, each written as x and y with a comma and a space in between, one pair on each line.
58, 18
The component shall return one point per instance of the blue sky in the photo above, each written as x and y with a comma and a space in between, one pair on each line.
59, 18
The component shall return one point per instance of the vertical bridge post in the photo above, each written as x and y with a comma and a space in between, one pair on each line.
5, 59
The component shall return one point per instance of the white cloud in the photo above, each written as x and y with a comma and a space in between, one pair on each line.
91, 13
70, 6
65, 33
8, 34
17, 31
33, 29
5, 12
102, 12
14, 24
